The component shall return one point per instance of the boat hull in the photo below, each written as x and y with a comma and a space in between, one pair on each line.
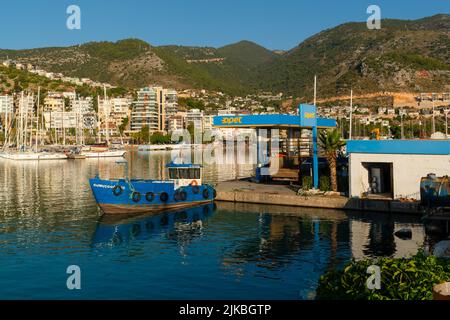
103, 154
142, 196
33, 156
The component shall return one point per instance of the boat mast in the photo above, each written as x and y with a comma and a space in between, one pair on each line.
63, 127
24, 142
6, 121
99, 120
106, 110
31, 121
37, 117
19, 125
56, 130
75, 105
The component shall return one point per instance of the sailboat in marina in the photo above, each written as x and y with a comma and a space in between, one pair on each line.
99, 150
24, 134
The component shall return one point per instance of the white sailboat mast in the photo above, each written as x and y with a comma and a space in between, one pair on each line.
63, 126
6, 121
99, 120
37, 117
106, 110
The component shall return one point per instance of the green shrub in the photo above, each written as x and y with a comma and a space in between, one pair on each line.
403, 279
324, 183
306, 182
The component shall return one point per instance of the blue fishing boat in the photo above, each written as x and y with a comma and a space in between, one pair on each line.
183, 189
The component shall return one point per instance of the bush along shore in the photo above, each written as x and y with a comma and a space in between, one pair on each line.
402, 279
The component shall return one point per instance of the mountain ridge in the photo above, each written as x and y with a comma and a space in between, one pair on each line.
403, 55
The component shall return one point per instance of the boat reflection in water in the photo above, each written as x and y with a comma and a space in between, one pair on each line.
114, 230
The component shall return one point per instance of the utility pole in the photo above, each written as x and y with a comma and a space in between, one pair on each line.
434, 123
412, 129
351, 115
446, 122
315, 89
402, 133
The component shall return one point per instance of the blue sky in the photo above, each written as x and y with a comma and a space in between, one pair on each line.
276, 24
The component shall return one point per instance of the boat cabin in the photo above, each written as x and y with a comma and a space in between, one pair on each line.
185, 174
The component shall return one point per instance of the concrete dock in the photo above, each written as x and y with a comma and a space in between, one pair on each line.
277, 194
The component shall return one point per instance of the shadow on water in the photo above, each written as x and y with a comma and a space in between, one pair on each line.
288, 230
182, 226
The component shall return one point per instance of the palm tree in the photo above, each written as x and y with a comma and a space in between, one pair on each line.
330, 141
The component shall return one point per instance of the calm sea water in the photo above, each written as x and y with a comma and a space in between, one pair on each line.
49, 220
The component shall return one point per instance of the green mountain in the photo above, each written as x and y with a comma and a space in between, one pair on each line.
229, 68
404, 55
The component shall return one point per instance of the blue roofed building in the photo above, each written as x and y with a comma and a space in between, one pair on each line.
393, 168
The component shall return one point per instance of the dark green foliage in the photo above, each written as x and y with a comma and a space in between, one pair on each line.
120, 50
417, 61
306, 182
403, 279
123, 125
159, 138
189, 103
324, 183
330, 141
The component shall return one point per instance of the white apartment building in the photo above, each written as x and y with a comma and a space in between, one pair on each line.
169, 100
113, 111
6, 104
53, 103
391, 111
208, 122
195, 117
153, 107
60, 120
70, 94
382, 110
176, 121
145, 110
25, 103
82, 105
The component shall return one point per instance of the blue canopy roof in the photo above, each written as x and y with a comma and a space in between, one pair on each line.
436, 147
267, 121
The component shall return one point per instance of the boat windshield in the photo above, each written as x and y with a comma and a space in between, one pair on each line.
184, 173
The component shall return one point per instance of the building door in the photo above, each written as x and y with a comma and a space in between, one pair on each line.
380, 178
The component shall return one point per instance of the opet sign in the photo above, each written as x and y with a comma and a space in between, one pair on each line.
308, 115
231, 120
